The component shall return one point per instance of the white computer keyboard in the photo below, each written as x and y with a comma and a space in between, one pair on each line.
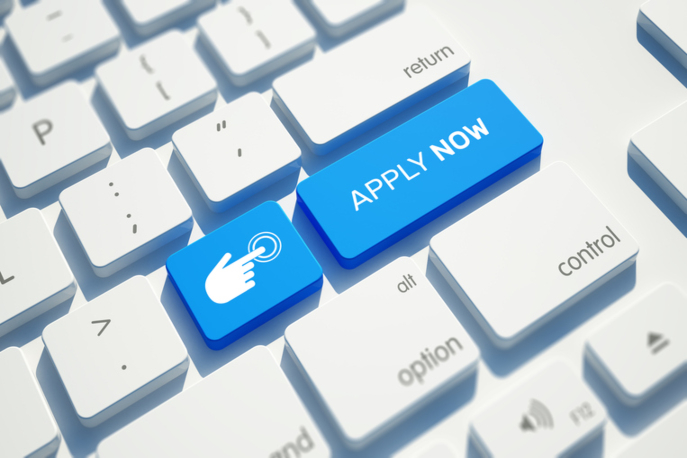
447, 286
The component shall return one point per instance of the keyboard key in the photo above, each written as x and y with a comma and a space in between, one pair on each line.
34, 276
381, 350
236, 151
372, 198
151, 16
542, 246
244, 274
50, 138
339, 18
115, 350
245, 408
551, 414
59, 37
645, 347
252, 38
666, 22
7, 90
28, 427
653, 148
666, 438
355, 86
156, 84
126, 211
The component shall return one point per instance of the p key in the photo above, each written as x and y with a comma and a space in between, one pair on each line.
50, 138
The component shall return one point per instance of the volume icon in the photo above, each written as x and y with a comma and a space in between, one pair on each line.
537, 417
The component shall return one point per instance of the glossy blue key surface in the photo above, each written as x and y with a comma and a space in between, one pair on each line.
389, 188
244, 274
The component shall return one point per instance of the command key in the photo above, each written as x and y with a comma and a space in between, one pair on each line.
384, 191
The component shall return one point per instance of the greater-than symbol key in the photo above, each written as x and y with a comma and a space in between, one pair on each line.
107, 322
3, 280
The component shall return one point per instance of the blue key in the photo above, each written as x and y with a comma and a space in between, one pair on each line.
384, 191
244, 274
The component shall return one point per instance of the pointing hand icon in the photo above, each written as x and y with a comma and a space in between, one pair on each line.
227, 282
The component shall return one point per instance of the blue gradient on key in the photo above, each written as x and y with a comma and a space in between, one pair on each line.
391, 187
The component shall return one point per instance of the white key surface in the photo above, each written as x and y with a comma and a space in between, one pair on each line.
339, 18
27, 425
358, 84
115, 350
666, 438
533, 251
236, 151
156, 84
126, 211
58, 37
395, 311
7, 90
50, 138
550, 414
246, 408
34, 276
644, 347
151, 16
252, 38
666, 22
654, 147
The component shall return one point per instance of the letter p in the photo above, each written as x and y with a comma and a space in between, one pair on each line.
42, 128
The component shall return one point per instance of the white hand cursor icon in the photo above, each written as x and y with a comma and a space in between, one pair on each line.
227, 282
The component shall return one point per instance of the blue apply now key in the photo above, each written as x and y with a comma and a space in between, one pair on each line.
244, 274
396, 184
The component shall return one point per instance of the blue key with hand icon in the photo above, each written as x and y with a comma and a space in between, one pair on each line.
244, 274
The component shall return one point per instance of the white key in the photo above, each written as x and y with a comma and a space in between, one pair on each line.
156, 84
381, 350
550, 414
50, 138
666, 22
27, 425
653, 148
440, 450
645, 347
357, 85
7, 90
252, 38
34, 276
236, 151
339, 18
246, 408
666, 438
115, 350
58, 37
5, 6
151, 16
532, 252
126, 211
